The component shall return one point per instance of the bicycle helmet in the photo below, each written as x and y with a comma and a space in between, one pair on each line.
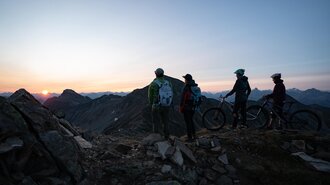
240, 72
276, 75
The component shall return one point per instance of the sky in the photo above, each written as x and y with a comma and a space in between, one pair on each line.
105, 45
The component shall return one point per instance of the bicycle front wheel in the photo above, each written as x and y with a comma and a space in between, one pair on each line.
256, 116
214, 119
305, 120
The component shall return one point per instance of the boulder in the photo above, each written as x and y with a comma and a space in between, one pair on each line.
318, 164
177, 157
223, 158
162, 148
185, 150
64, 152
166, 168
34, 147
152, 139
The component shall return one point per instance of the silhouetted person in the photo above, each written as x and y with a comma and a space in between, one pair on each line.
278, 96
187, 106
160, 95
242, 91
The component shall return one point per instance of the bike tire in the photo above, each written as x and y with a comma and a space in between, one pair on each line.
305, 120
256, 116
214, 119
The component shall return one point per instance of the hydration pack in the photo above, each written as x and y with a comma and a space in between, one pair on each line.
196, 95
165, 94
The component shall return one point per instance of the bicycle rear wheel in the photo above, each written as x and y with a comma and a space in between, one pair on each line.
214, 119
305, 120
256, 116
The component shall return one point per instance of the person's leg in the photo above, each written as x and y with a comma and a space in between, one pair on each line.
272, 117
165, 120
155, 121
186, 115
279, 111
235, 116
193, 131
243, 113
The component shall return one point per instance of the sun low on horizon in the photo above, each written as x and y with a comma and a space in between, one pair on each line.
44, 92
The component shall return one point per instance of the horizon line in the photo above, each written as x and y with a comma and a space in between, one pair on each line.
212, 92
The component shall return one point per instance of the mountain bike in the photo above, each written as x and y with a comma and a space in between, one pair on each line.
303, 119
215, 118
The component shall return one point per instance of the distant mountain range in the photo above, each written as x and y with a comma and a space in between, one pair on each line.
112, 113
42, 98
308, 97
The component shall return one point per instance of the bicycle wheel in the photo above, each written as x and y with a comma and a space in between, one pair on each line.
305, 120
256, 116
214, 119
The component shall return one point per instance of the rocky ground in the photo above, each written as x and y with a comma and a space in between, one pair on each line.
242, 156
39, 148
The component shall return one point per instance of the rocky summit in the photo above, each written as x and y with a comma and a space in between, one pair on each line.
39, 148
242, 156
35, 146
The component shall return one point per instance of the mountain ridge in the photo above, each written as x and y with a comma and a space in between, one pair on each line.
111, 113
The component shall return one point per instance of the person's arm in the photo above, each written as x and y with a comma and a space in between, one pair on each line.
183, 99
271, 95
151, 92
233, 90
248, 89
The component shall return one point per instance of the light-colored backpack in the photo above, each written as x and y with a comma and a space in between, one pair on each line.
165, 94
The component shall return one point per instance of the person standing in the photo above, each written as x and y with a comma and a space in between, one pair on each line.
278, 95
160, 96
242, 91
187, 106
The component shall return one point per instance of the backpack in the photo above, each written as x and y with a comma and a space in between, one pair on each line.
165, 93
196, 95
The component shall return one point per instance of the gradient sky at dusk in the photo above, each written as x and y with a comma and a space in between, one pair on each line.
105, 45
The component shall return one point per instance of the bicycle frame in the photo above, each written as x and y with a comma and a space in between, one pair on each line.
283, 118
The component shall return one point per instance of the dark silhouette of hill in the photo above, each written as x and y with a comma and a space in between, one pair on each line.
94, 115
35, 146
311, 96
131, 113
308, 97
66, 100
94, 95
111, 113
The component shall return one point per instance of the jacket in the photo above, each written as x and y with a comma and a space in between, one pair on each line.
241, 89
186, 103
278, 94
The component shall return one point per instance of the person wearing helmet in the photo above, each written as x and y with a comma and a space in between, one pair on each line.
160, 111
278, 96
242, 91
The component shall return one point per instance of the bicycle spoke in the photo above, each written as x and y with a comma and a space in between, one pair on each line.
256, 116
214, 119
